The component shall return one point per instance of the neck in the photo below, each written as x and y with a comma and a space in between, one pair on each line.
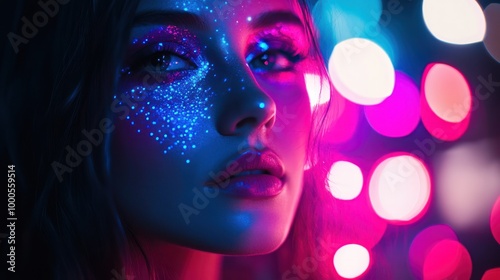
168, 262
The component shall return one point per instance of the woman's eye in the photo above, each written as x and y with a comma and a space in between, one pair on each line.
272, 61
162, 62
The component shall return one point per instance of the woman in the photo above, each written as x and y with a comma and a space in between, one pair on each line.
169, 134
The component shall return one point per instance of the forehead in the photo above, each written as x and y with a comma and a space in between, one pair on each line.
235, 13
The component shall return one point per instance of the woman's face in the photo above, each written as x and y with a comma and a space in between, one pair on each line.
212, 123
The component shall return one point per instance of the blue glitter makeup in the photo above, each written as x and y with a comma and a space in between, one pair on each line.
170, 101
165, 73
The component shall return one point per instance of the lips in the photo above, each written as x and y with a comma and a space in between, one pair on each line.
252, 174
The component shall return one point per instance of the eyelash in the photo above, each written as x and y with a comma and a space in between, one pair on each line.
275, 47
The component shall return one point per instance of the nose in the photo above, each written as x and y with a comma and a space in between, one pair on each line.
244, 107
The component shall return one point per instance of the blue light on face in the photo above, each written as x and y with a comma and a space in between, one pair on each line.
172, 112
262, 105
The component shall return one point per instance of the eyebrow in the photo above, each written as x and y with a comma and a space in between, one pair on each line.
167, 17
275, 17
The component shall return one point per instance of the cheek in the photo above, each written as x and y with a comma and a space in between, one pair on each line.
174, 115
293, 111
292, 127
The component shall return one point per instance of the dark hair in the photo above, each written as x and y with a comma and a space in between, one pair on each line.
58, 78
64, 79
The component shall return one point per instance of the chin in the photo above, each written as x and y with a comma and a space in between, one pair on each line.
245, 235
264, 245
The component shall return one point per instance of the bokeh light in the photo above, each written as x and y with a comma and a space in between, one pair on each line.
345, 180
495, 220
318, 89
400, 188
491, 274
455, 21
345, 19
465, 186
448, 259
467, 183
423, 243
351, 261
446, 102
361, 71
445, 88
399, 114
492, 38
368, 10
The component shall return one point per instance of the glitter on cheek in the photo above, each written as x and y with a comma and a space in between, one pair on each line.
174, 109
173, 114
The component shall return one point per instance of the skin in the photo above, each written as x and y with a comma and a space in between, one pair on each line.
149, 184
